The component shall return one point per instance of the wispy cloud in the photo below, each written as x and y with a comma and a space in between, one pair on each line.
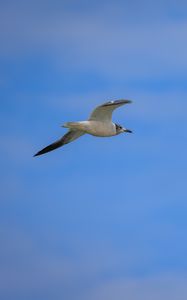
100, 218
91, 40
163, 286
27, 269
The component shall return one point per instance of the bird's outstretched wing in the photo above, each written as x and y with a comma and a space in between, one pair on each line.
104, 111
70, 136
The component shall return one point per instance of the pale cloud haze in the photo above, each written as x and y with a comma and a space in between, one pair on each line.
98, 218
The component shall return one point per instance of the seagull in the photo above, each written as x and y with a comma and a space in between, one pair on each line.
99, 124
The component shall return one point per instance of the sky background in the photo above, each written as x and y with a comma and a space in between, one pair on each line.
98, 219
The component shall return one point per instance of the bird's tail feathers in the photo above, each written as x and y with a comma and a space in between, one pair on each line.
71, 125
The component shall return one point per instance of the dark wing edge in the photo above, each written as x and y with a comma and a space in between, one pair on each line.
116, 102
106, 109
70, 136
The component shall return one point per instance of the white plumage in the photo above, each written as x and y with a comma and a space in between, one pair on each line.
99, 124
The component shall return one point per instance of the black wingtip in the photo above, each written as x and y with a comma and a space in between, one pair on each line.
37, 154
43, 151
116, 102
127, 101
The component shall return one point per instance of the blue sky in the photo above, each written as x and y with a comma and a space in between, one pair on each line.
98, 218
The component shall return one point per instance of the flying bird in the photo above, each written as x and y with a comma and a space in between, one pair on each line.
99, 124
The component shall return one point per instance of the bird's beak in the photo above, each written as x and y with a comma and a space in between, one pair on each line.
127, 130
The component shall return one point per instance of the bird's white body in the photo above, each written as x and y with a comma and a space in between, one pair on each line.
99, 124
96, 128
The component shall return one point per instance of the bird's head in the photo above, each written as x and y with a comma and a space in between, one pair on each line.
120, 129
